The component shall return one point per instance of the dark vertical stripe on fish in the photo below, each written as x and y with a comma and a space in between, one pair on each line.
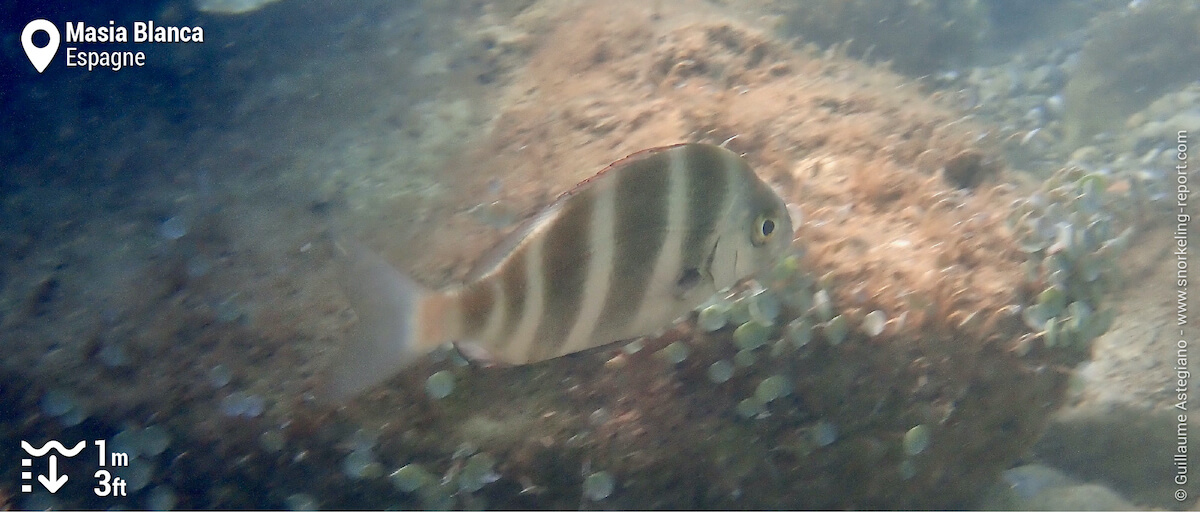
477, 302
565, 259
512, 280
708, 189
641, 227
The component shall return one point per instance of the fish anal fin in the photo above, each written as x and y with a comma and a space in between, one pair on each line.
479, 355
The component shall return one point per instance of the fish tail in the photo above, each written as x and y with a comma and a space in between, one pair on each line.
391, 331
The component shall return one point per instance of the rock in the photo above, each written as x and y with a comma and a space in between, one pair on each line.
1042, 488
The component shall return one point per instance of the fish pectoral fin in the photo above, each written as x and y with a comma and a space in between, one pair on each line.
688, 279
478, 355
692, 276
708, 262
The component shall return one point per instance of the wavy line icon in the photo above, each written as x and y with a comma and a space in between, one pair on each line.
53, 444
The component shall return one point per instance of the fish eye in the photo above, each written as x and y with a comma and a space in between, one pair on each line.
764, 228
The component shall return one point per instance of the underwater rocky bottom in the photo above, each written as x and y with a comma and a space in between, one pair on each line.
781, 395
827, 426
828, 384
665, 435
910, 351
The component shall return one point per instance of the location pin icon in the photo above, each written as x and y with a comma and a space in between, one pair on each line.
40, 57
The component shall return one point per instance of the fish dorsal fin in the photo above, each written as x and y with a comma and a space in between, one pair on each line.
495, 256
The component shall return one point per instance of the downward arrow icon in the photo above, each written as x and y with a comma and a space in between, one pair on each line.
55, 481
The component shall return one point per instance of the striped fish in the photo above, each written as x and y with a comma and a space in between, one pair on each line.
623, 254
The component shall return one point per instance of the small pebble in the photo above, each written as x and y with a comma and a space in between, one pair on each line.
917, 439
301, 502
219, 376
254, 406
73, 418
824, 434
1035, 317
242, 404
198, 266
440, 384
359, 464
781, 348
773, 388
113, 356
57, 403
799, 298
599, 417
720, 371
1054, 105
363, 439
799, 333
1052, 300
411, 478
138, 474
874, 323
437, 497
616, 362
228, 311
739, 311
233, 405
465, 450
272, 440
162, 498
749, 407
676, 352
1050, 333
823, 304
764, 307
598, 486
745, 358
751, 335
1080, 313
712, 318
786, 268
172, 229
632, 348
476, 473
154, 440
128, 441
836, 330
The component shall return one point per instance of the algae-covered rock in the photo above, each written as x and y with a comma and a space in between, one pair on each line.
1131, 58
918, 37
921, 408
1041, 488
